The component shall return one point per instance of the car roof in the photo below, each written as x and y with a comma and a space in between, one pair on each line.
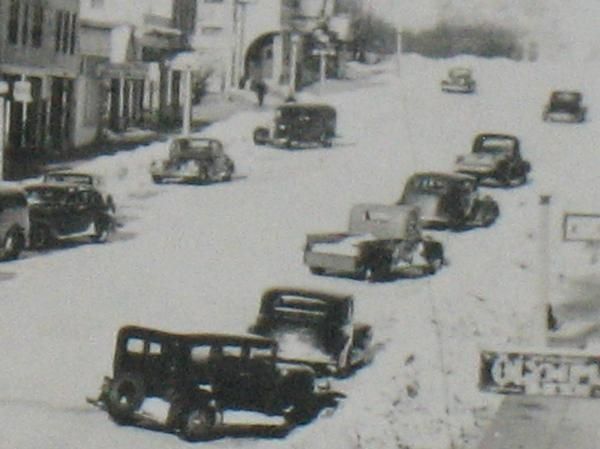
314, 106
274, 292
67, 173
68, 186
207, 338
198, 139
495, 136
444, 175
460, 70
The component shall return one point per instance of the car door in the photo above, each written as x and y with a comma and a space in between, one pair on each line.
79, 215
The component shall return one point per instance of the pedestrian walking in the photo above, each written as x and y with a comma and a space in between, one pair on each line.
260, 88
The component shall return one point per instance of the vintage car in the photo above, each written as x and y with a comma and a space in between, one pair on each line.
449, 200
381, 242
72, 177
565, 106
60, 211
315, 328
194, 160
459, 80
201, 376
495, 157
14, 223
297, 125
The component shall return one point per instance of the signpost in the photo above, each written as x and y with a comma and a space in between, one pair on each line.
3, 115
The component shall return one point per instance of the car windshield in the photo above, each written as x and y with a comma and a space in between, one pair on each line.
459, 73
495, 146
46, 196
68, 177
566, 98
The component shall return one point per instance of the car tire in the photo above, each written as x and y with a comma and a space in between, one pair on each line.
13, 244
40, 237
101, 231
301, 413
326, 140
197, 423
376, 273
157, 179
125, 397
317, 271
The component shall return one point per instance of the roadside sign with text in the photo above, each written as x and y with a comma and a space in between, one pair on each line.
22, 92
581, 227
539, 374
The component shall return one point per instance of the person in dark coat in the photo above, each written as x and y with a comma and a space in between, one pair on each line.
261, 89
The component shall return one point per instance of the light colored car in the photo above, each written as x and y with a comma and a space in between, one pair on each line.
459, 80
14, 223
194, 160
381, 242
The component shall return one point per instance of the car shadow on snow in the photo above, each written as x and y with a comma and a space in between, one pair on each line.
7, 276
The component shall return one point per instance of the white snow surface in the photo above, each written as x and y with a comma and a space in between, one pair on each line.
197, 258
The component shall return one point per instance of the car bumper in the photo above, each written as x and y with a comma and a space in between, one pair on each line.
458, 89
563, 117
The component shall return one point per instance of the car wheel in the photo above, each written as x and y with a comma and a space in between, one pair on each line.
300, 413
101, 231
376, 273
157, 179
14, 243
197, 423
326, 141
317, 270
40, 236
125, 397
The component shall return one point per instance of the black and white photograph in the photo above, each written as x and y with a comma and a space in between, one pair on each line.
282, 224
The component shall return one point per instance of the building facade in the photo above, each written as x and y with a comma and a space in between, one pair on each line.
39, 62
258, 39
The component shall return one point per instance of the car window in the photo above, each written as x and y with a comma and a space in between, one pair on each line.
200, 353
154, 348
261, 353
135, 346
232, 350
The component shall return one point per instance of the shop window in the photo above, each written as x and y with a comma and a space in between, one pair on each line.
13, 22
72, 37
58, 31
37, 26
25, 25
66, 31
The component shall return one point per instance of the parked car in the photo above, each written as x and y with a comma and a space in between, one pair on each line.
201, 376
298, 125
565, 106
72, 177
381, 241
449, 200
459, 80
315, 328
14, 223
194, 160
61, 211
495, 157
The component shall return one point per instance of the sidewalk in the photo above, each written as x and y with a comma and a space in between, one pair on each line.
527, 422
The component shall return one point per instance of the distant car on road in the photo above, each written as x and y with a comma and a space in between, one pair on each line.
565, 106
72, 177
381, 242
459, 80
194, 160
201, 376
449, 200
14, 223
495, 157
60, 211
315, 328
299, 124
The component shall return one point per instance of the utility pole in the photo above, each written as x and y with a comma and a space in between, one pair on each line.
541, 318
294, 41
187, 101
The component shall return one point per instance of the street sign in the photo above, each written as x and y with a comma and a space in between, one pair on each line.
581, 227
22, 92
3, 87
539, 374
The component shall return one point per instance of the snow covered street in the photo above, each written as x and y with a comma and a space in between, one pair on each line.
197, 258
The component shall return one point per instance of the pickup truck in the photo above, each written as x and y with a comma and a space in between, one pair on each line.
381, 242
